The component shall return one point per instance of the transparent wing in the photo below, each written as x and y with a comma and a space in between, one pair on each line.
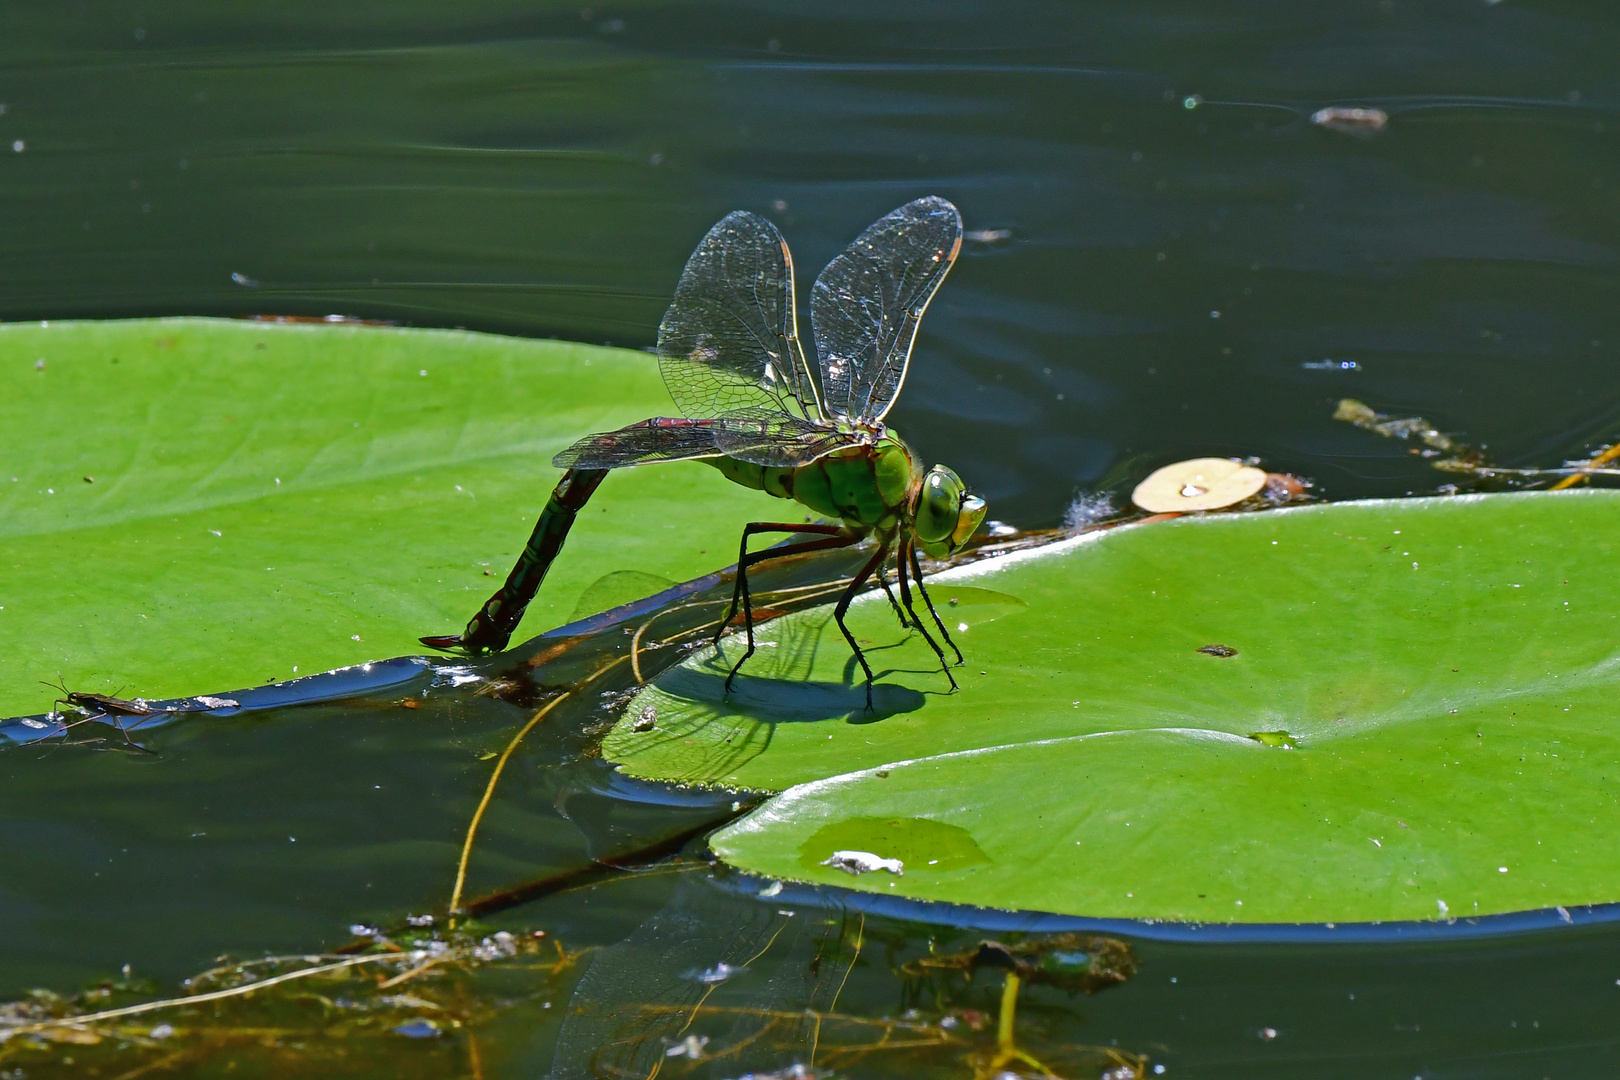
662, 438
730, 339
775, 439
760, 436
867, 303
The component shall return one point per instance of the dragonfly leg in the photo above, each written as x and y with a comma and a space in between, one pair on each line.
739, 586
838, 537
883, 580
843, 606
901, 554
492, 627
916, 570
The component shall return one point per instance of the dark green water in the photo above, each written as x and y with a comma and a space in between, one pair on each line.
545, 171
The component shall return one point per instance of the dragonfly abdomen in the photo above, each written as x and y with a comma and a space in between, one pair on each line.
772, 481
865, 486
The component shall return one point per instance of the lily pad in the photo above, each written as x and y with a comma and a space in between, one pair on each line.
1414, 718
193, 505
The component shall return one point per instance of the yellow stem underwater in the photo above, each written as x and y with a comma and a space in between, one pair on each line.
489, 791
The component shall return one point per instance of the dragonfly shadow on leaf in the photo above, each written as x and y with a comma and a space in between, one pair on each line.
789, 701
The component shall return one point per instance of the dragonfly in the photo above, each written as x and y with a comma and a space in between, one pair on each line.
730, 354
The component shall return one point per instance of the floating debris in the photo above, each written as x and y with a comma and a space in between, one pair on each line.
1088, 510
358, 990
1068, 960
863, 862
1463, 458
1350, 120
1217, 650
1198, 484
1284, 488
689, 1047
717, 974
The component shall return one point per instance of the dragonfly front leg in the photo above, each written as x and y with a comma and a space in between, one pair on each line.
905, 549
837, 537
883, 580
916, 569
492, 627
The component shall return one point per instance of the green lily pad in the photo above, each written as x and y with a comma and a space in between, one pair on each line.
191, 505
1413, 717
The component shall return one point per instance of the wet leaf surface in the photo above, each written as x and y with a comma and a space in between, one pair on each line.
1417, 722
271, 499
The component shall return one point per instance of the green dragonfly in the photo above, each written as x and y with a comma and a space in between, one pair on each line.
730, 354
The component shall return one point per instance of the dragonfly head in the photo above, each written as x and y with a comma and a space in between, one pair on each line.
945, 515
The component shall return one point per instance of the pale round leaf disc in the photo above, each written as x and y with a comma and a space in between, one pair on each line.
1198, 484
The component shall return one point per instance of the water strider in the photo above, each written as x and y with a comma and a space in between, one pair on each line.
730, 354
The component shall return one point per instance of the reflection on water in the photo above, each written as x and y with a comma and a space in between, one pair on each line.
1167, 258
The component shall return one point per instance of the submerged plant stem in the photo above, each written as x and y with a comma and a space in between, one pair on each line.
1594, 463
489, 792
1009, 1012
197, 999
832, 1007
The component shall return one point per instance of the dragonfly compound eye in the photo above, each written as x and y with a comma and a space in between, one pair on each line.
968, 519
939, 506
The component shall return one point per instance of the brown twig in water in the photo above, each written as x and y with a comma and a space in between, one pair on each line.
168, 1061
577, 876
406, 976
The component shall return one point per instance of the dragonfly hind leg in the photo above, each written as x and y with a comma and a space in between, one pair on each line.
836, 537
